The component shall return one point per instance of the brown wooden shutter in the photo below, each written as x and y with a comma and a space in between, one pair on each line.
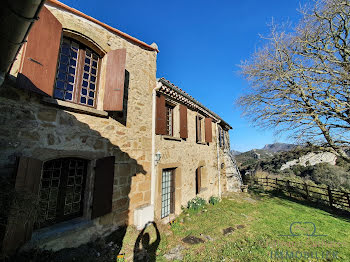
160, 115
208, 130
19, 230
183, 121
115, 77
198, 129
39, 63
103, 187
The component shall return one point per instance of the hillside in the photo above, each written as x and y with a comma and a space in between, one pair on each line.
298, 163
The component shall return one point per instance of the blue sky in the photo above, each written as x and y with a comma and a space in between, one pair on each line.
201, 44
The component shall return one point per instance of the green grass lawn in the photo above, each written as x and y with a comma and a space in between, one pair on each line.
265, 219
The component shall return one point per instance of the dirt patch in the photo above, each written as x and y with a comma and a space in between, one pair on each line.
228, 231
192, 240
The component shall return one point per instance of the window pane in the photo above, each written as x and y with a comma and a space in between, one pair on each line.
60, 84
83, 100
59, 94
83, 91
66, 71
64, 59
69, 87
85, 83
72, 70
68, 96
63, 67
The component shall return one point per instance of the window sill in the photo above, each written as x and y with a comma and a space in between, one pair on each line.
75, 107
166, 137
53, 232
202, 143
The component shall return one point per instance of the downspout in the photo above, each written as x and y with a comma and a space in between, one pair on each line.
153, 169
218, 158
17, 18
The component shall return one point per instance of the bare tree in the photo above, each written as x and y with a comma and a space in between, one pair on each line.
300, 80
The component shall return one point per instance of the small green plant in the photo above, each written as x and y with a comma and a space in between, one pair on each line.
213, 200
196, 203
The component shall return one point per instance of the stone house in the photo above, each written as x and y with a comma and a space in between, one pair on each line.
92, 141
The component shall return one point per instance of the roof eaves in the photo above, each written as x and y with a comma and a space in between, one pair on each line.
180, 91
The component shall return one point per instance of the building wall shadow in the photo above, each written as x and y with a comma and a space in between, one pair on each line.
30, 128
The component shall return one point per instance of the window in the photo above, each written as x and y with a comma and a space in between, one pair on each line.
76, 79
61, 190
199, 124
168, 192
198, 179
169, 119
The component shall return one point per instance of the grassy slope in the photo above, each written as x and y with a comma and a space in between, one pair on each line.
264, 220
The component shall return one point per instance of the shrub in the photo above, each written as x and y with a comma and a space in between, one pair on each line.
213, 200
196, 203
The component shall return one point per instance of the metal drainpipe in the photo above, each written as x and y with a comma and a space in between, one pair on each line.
218, 157
17, 18
153, 171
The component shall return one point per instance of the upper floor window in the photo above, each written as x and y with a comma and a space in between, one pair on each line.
76, 79
169, 119
199, 123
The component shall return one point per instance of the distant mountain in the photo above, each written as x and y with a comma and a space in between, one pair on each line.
235, 152
278, 147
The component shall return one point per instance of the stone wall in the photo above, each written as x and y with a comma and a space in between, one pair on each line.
30, 127
186, 156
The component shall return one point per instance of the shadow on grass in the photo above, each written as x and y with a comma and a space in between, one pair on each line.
259, 192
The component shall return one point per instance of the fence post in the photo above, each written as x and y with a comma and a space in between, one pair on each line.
306, 190
288, 188
330, 196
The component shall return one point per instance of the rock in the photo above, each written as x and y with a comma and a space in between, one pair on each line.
207, 237
240, 226
192, 240
228, 231
175, 253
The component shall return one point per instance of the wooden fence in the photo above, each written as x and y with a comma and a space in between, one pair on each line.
326, 195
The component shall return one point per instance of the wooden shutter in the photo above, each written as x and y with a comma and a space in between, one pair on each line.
103, 187
160, 115
198, 129
183, 121
19, 230
208, 130
115, 77
39, 62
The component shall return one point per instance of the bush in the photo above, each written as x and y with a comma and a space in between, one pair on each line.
196, 203
213, 200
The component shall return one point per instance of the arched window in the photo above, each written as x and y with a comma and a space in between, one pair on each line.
77, 73
61, 191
